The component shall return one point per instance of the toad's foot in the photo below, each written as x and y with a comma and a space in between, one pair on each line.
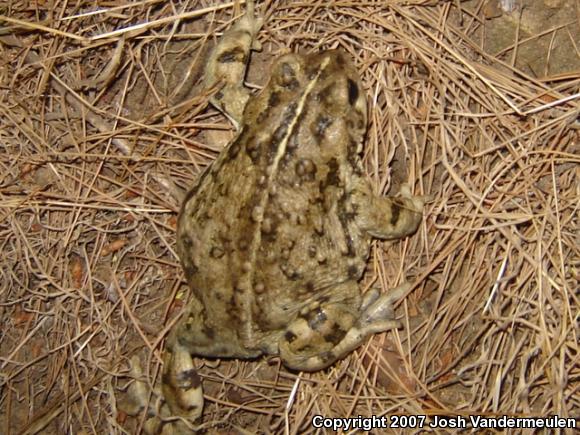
329, 331
182, 393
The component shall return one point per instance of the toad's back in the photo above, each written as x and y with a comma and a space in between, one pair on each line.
272, 225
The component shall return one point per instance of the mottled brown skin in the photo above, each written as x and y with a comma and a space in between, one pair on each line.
279, 227
275, 235
272, 226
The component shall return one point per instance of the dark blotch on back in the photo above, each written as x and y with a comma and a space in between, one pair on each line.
321, 124
352, 92
333, 176
274, 99
253, 149
281, 131
354, 159
352, 272
234, 150
348, 216
262, 116
288, 77
349, 242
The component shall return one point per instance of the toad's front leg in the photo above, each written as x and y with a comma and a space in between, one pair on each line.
391, 217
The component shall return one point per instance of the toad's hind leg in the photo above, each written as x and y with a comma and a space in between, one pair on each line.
326, 332
227, 65
181, 388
